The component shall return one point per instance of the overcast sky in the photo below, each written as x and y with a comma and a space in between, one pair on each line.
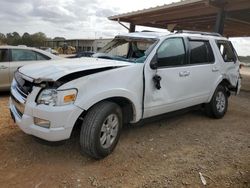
76, 18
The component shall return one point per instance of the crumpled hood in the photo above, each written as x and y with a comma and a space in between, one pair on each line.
53, 70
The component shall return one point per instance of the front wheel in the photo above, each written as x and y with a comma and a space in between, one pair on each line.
217, 107
101, 129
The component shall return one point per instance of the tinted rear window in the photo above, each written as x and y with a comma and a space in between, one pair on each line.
200, 52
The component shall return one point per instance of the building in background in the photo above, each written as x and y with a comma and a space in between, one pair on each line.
90, 45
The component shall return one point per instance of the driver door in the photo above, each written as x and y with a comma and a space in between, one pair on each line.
174, 79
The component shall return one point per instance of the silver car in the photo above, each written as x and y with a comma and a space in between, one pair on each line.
12, 57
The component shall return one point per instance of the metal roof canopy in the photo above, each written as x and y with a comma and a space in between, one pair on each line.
228, 17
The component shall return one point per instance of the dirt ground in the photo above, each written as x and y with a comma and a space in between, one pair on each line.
167, 153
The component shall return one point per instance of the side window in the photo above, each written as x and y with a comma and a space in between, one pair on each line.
171, 53
200, 52
226, 51
23, 55
4, 55
41, 57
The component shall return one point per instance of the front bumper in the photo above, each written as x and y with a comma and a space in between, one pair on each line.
62, 118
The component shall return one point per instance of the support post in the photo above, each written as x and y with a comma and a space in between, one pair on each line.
220, 21
131, 27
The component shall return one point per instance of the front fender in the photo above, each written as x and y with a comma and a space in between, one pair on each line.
89, 100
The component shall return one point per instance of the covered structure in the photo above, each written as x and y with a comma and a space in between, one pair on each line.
91, 45
228, 17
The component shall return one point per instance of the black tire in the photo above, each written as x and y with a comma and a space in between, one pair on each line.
217, 108
94, 122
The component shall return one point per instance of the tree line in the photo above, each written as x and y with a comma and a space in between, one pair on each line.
245, 59
33, 40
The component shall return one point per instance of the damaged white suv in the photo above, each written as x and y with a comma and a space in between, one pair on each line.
135, 76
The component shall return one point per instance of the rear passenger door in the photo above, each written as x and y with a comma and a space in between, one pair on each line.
4, 69
204, 69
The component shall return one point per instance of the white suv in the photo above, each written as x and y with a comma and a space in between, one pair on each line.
135, 76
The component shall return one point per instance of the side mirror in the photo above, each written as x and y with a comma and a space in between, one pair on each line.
154, 62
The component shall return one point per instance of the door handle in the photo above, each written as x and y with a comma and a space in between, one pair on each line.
215, 69
184, 73
3, 67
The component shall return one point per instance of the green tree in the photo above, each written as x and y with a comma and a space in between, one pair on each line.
13, 38
34, 40
2, 38
26, 39
9, 38
38, 39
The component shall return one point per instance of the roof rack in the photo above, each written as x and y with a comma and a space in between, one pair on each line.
199, 32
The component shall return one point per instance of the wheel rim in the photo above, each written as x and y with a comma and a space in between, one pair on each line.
109, 130
220, 102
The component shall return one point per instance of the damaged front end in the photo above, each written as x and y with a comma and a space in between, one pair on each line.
49, 92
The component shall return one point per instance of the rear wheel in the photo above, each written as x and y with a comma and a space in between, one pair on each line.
101, 129
217, 107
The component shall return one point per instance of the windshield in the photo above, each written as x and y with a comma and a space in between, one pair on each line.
127, 49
